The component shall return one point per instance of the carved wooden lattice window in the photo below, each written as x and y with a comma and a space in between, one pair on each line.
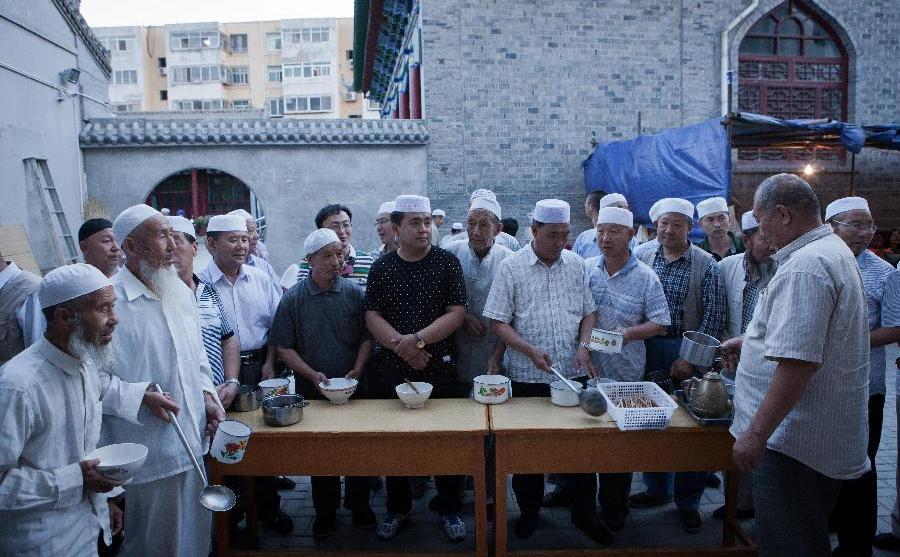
792, 65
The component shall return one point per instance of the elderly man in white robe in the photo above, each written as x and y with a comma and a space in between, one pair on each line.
159, 340
53, 500
503, 238
476, 345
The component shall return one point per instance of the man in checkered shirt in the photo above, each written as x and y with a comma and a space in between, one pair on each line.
696, 298
540, 306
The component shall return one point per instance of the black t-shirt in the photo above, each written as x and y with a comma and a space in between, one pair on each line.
412, 295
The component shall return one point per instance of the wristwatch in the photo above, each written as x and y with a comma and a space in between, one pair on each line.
233, 380
420, 342
584, 345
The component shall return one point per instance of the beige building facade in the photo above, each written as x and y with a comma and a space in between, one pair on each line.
293, 68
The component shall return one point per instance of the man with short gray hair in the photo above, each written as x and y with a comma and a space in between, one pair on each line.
801, 383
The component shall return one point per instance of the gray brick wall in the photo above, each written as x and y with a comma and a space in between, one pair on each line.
513, 90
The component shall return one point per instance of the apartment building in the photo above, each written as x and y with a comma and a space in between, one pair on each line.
295, 68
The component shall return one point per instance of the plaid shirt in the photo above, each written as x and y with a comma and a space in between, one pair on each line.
675, 277
751, 291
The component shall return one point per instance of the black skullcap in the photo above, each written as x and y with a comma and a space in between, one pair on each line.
91, 227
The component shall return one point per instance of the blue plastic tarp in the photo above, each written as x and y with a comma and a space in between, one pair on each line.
757, 130
693, 162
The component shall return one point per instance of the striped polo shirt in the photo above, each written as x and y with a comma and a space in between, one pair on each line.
356, 267
214, 327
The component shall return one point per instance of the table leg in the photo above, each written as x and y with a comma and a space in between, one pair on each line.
481, 533
732, 480
222, 527
500, 499
249, 490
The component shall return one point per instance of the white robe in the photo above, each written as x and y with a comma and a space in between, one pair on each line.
153, 343
50, 416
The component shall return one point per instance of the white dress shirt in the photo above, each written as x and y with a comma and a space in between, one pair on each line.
50, 416
151, 343
265, 266
249, 303
28, 314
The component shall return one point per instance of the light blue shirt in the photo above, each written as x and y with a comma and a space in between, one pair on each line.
586, 244
629, 298
875, 272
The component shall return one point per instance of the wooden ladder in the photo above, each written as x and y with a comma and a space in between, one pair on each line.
62, 239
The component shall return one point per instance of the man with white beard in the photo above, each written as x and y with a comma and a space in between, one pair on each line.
159, 341
53, 501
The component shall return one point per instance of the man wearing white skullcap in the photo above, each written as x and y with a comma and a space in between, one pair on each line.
258, 255
383, 230
158, 340
715, 221
855, 513
630, 300
53, 500
222, 348
744, 276
504, 239
696, 300
539, 285
437, 221
320, 333
586, 243
476, 345
415, 301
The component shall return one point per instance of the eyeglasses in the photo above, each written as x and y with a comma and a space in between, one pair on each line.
340, 226
869, 228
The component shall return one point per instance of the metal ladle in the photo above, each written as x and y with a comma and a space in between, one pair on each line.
591, 400
216, 498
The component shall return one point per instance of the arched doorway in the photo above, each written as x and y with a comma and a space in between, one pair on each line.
792, 64
203, 191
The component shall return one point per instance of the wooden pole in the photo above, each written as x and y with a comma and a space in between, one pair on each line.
852, 174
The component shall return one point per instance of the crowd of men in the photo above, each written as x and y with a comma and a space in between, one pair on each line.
803, 308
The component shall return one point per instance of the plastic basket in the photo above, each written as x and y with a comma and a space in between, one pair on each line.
630, 419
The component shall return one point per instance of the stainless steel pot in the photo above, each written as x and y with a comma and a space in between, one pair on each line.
247, 399
699, 349
282, 410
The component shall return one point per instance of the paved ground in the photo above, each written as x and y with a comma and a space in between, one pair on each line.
653, 527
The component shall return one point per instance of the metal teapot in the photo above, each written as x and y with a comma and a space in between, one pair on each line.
707, 397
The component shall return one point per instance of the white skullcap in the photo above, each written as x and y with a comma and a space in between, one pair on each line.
456, 226
438, 213
711, 205
69, 282
551, 211
612, 199
654, 212
675, 205
748, 222
319, 239
131, 218
165, 211
482, 193
386, 207
226, 223
615, 215
243, 214
845, 204
181, 224
487, 204
412, 204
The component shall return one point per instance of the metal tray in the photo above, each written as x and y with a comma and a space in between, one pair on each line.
679, 396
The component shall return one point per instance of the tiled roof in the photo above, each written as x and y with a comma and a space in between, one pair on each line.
132, 132
378, 50
72, 14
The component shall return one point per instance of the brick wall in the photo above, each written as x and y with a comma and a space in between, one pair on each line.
513, 90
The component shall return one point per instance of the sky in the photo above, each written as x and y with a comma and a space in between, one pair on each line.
110, 13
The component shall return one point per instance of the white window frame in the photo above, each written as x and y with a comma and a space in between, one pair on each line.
307, 70
126, 77
243, 72
277, 103
196, 105
303, 104
241, 104
274, 70
273, 42
123, 108
306, 35
241, 49
195, 40
208, 73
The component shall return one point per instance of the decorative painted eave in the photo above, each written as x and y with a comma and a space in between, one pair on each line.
72, 14
140, 132
384, 34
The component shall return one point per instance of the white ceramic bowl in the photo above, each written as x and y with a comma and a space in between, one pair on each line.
339, 390
609, 342
491, 389
120, 461
409, 398
561, 395
594, 381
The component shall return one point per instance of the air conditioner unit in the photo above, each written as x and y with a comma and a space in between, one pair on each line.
350, 96
163, 72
